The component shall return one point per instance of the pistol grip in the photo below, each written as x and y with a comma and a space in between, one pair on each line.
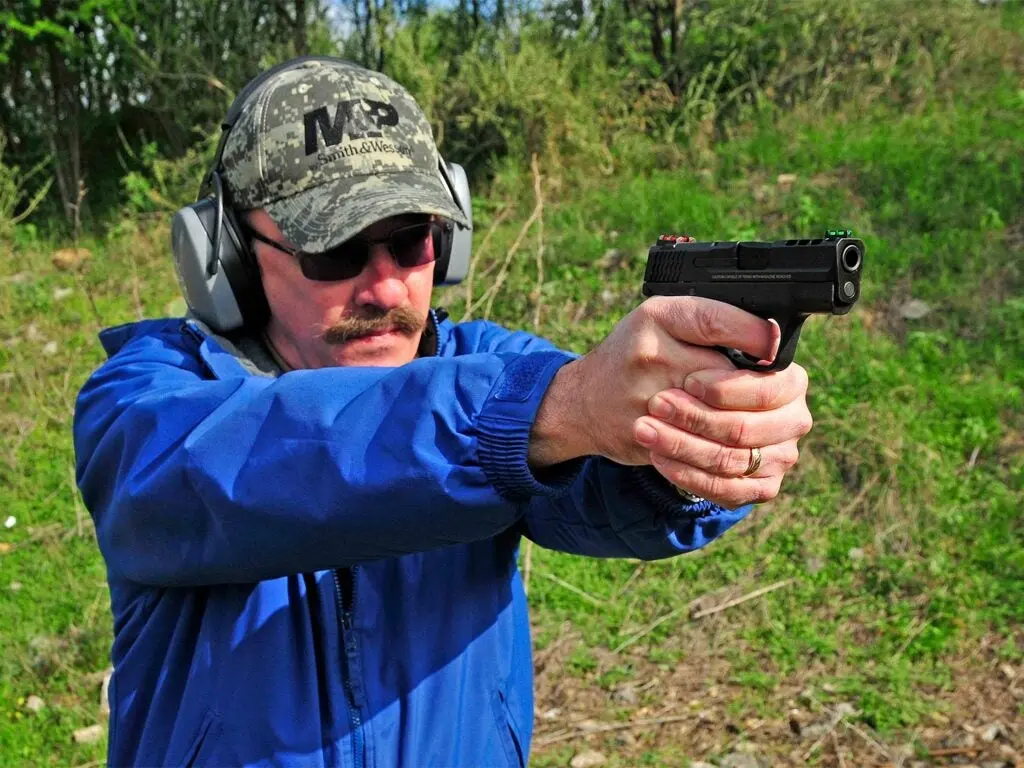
787, 348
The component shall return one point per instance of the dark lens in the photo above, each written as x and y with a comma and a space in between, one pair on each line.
413, 246
340, 263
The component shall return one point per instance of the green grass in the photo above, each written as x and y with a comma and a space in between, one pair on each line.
900, 528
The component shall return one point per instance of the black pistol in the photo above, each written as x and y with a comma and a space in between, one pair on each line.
785, 280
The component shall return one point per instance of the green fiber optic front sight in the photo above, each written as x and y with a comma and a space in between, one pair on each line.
830, 233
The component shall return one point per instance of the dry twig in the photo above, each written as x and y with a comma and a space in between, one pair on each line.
538, 209
574, 589
731, 603
470, 274
583, 731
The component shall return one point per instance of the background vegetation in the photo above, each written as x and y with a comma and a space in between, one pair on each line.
885, 585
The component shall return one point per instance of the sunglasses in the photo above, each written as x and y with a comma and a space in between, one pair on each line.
411, 246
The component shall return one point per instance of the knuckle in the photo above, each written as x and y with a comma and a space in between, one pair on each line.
737, 432
802, 379
806, 423
646, 350
725, 462
692, 419
791, 456
765, 491
709, 322
767, 394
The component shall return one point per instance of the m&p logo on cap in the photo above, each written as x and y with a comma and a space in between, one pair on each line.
361, 120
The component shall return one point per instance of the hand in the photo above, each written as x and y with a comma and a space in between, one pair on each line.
702, 435
592, 403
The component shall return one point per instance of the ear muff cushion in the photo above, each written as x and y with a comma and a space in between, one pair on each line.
442, 253
244, 273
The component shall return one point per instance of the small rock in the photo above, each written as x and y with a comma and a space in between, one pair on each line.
67, 259
105, 694
785, 179
741, 760
59, 294
16, 586
88, 735
914, 309
856, 554
588, 759
1008, 672
10, 522
845, 709
958, 740
34, 703
50, 348
813, 732
625, 694
551, 714
815, 565
993, 731
33, 334
607, 296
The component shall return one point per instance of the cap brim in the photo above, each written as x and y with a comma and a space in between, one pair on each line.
320, 218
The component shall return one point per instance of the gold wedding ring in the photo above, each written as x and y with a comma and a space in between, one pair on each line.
755, 462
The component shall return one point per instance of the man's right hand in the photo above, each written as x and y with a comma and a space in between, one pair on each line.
592, 403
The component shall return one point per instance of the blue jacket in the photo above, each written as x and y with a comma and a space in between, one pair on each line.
318, 568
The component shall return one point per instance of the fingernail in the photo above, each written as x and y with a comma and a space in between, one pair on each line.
694, 386
661, 408
645, 433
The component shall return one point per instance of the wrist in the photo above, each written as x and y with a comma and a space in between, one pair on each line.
557, 433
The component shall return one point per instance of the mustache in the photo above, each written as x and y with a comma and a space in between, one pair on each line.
403, 320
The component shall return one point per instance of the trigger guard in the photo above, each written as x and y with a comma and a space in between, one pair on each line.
787, 348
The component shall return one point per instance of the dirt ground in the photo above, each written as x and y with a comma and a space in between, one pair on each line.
690, 712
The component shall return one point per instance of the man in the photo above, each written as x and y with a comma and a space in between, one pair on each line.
311, 526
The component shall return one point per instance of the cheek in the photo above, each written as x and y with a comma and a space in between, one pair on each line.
295, 302
420, 285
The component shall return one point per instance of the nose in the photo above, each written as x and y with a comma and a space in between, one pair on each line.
381, 283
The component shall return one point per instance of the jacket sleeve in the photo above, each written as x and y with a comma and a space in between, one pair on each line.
193, 480
611, 510
617, 511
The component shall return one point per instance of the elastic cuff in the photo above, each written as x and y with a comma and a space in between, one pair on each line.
504, 426
669, 504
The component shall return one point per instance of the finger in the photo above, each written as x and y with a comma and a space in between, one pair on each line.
709, 323
725, 491
716, 459
738, 429
747, 390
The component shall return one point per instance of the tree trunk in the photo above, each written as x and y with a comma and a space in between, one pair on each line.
301, 29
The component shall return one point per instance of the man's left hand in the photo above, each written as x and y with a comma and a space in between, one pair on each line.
705, 435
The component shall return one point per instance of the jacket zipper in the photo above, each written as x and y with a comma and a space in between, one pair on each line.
349, 640
437, 333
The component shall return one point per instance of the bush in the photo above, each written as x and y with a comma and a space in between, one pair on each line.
16, 202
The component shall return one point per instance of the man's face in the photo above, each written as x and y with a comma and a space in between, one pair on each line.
375, 318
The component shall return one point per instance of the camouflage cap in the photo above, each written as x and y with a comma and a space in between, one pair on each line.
328, 148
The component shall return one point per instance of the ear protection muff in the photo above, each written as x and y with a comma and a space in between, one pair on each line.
217, 272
